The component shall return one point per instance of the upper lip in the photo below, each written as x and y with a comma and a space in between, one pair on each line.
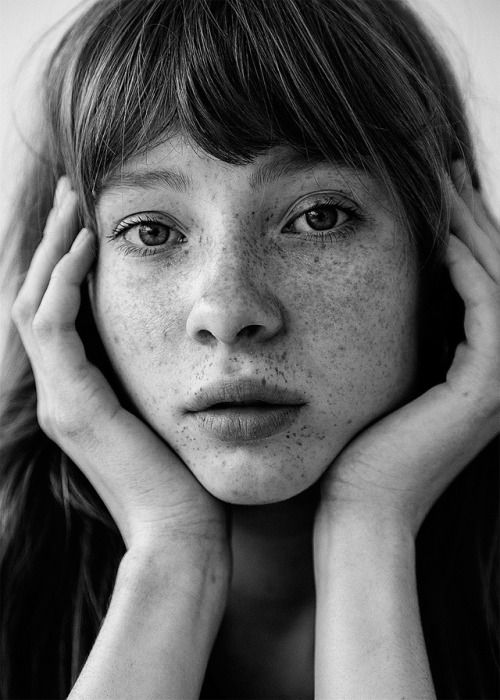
241, 391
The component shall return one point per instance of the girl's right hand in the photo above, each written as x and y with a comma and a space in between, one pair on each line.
150, 493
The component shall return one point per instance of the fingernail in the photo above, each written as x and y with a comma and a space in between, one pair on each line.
62, 187
81, 238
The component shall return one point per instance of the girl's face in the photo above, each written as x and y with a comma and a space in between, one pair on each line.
287, 272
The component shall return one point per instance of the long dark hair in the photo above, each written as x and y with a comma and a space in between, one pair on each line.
355, 81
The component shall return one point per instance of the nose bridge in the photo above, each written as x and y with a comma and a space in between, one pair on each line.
233, 261
233, 296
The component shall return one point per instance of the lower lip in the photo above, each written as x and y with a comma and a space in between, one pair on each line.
246, 423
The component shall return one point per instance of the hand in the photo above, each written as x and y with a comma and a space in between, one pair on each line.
397, 468
148, 490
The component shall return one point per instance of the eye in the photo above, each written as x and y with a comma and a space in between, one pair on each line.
320, 219
323, 216
149, 234
145, 234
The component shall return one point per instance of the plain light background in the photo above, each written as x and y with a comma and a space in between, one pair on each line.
469, 30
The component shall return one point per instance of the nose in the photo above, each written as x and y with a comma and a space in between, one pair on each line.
232, 303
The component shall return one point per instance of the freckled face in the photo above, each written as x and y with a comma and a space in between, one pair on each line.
301, 278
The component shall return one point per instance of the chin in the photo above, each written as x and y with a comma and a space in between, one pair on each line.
249, 495
252, 482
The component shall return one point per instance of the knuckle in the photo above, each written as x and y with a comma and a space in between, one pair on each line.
64, 420
43, 327
74, 420
22, 311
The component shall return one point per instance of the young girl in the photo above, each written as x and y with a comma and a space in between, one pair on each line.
250, 412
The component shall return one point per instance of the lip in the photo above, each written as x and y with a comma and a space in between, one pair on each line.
236, 391
246, 423
276, 410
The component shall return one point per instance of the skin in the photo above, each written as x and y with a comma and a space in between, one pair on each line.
337, 321
172, 588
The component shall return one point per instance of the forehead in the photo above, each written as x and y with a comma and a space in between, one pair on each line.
181, 166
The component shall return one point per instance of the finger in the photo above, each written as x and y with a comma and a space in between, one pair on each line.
474, 200
475, 238
63, 186
463, 185
59, 232
60, 347
480, 295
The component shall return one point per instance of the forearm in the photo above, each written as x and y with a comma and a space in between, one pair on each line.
369, 640
159, 629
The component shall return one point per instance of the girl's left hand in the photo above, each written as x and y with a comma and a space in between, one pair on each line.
397, 468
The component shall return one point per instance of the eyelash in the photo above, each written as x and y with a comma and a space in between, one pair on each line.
318, 238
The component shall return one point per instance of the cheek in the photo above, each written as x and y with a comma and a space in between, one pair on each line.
134, 315
362, 332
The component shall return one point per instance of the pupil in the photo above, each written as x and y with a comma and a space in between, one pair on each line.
153, 234
321, 219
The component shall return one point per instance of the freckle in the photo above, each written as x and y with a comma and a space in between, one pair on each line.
349, 421
263, 381
116, 340
316, 260
185, 252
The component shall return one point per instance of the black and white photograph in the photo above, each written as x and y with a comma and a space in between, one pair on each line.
250, 350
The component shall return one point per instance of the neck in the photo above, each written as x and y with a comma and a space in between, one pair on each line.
272, 551
265, 646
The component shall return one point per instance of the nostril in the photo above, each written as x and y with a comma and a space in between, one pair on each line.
204, 335
249, 331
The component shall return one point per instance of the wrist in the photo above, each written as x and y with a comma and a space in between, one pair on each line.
369, 641
177, 565
361, 536
160, 626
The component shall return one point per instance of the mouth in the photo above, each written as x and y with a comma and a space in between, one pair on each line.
239, 410
239, 405
240, 394
244, 422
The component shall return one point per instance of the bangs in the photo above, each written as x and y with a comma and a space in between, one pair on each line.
252, 75
237, 77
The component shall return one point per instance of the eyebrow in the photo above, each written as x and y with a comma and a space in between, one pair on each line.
265, 174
